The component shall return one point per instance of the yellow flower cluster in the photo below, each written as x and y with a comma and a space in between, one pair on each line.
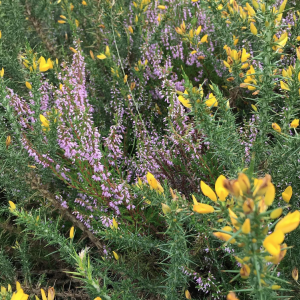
20, 295
192, 33
211, 101
289, 73
248, 226
236, 58
45, 122
246, 13
44, 65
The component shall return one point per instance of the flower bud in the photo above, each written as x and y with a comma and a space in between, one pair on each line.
248, 206
287, 194
166, 208
115, 224
72, 232
295, 274
224, 237
8, 141
246, 228
232, 296
244, 183
116, 256
187, 295
12, 206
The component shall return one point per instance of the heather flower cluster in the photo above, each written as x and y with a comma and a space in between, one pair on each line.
118, 119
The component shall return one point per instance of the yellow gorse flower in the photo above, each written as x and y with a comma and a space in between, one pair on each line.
234, 219
72, 232
107, 51
224, 237
116, 256
185, 102
244, 183
73, 50
276, 259
19, 295
251, 199
253, 29
295, 123
245, 56
232, 296
207, 191
202, 208
275, 287
251, 11
115, 224
28, 85
18, 286
221, 191
276, 127
45, 122
204, 39
282, 40
92, 54
211, 101
295, 274
289, 223
51, 294
270, 194
154, 184
246, 228
8, 141
245, 271
272, 242
187, 295
12, 206
198, 30
287, 194
166, 208
101, 56
275, 214
284, 86
233, 187
130, 29
248, 206
43, 65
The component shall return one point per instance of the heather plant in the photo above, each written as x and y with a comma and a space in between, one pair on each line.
113, 112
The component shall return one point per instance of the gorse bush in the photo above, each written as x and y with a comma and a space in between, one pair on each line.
118, 118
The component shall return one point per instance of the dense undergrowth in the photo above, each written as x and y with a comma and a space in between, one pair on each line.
149, 149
